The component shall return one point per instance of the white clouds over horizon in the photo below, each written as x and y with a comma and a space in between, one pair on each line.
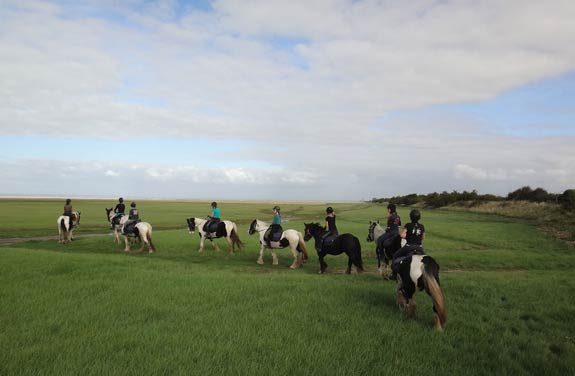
306, 83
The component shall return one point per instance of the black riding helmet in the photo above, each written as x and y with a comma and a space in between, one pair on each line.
133, 205
329, 210
392, 208
121, 199
414, 215
68, 201
276, 208
214, 204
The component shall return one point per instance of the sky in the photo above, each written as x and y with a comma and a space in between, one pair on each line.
285, 100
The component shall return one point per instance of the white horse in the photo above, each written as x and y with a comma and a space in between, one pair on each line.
144, 234
229, 230
65, 228
292, 238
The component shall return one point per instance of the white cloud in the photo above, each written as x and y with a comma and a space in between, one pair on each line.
305, 82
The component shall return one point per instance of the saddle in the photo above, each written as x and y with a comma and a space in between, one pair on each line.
275, 234
325, 241
130, 228
216, 227
413, 250
116, 218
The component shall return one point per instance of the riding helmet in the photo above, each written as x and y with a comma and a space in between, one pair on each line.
329, 210
68, 201
276, 208
392, 208
121, 199
133, 205
414, 215
214, 204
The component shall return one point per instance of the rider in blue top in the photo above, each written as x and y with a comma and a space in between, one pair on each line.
276, 224
215, 211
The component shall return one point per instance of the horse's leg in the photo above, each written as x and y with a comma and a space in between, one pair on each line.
230, 245
261, 258
143, 241
275, 260
296, 257
322, 263
201, 244
127, 248
349, 263
401, 301
411, 307
215, 245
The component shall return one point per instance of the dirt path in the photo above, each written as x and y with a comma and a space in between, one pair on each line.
9, 241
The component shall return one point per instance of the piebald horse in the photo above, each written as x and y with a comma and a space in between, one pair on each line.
118, 225
420, 272
227, 229
292, 238
144, 232
65, 228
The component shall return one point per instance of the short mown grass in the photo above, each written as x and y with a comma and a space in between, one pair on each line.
89, 308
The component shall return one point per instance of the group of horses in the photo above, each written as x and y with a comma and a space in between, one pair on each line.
415, 272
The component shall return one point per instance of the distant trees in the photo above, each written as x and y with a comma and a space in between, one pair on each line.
567, 199
437, 200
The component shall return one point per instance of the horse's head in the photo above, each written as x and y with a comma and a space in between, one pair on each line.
253, 227
78, 214
191, 224
109, 214
312, 230
370, 231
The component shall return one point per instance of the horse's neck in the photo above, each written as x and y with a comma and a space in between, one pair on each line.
200, 221
262, 224
378, 231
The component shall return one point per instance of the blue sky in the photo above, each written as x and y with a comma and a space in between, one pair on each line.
335, 100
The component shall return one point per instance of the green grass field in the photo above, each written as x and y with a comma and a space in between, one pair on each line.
89, 308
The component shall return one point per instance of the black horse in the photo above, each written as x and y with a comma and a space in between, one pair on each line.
383, 250
334, 245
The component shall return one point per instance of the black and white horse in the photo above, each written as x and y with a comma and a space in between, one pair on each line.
225, 229
142, 232
384, 255
420, 272
289, 238
66, 226
117, 221
334, 245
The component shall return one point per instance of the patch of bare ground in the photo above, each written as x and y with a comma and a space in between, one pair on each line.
10, 241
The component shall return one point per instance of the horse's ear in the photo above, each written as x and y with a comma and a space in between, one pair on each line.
378, 221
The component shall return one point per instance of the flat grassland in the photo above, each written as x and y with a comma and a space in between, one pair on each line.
89, 308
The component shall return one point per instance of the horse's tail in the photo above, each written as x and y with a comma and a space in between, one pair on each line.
63, 225
431, 282
301, 246
357, 246
149, 239
235, 238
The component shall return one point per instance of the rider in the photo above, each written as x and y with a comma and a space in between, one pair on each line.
329, 224
119, 210
276, 223
392, 230
413, 233
133, 218
214, 217
330, 221
69, 211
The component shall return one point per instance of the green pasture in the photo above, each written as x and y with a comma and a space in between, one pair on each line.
89, 308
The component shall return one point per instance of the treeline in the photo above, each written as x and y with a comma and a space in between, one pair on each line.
436, 200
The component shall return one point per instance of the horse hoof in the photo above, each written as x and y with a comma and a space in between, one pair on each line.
260, 262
